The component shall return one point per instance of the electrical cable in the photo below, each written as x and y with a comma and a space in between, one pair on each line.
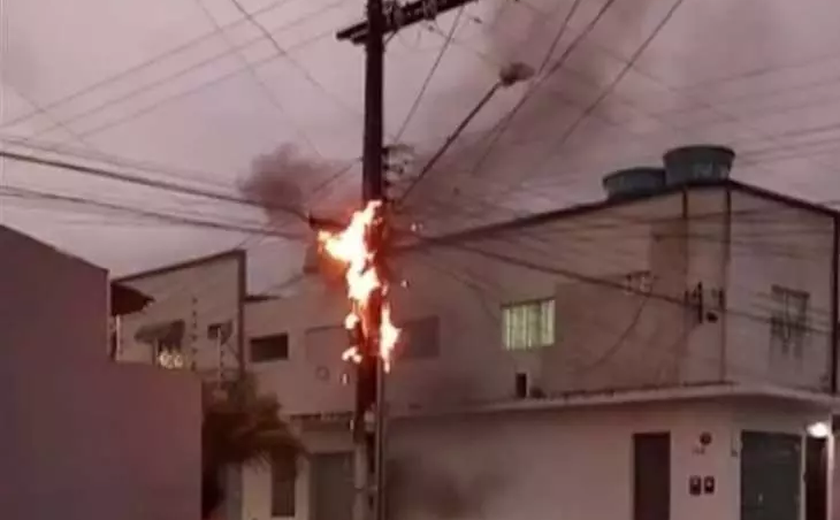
583, 278
131, 94
270, 95
507, 118
145, 181
608, 90
288, 57
139, 67
419, 98
177, 219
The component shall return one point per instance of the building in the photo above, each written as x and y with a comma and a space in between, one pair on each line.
194, 320
661, 354
83, 438
193, 324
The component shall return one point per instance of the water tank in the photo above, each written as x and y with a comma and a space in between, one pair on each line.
633, 182
697, 163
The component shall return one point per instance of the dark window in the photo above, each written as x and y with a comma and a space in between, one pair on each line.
283, 484
420, 339
270, 348
652, 476
788, 321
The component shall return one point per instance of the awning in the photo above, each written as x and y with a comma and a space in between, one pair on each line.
125, 300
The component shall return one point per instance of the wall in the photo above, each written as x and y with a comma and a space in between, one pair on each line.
777, 244
606, 339
82, 438
201, 293
574, 464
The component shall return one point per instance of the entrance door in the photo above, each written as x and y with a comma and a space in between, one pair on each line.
652, 476
331, 486
816, 479
770, 476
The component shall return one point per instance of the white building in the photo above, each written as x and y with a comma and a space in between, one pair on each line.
658, 355
82, 438
194, 319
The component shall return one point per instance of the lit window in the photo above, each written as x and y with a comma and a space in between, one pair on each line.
528, 325
789, 321
170, 357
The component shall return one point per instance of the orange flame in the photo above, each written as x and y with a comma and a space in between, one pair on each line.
351, 247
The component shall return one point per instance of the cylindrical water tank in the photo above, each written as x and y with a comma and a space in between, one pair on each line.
697, 163
633, 182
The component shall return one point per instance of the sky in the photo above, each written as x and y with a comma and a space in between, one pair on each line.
189, 91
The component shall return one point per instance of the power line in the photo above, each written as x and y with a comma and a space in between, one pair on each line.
285, 54
143, 65
608, 90
97, 108
113, 160
500, 128
270, 95
591, 280
416, 104
165, 217
141, 181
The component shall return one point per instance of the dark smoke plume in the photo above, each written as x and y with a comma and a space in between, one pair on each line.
416, 486
519, 33
287, 184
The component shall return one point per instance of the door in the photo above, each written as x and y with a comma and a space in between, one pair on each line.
816, 479
770, 476
331, 486
652, 476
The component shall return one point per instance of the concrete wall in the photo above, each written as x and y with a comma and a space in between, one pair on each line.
574, 464
201, 293
776, 244
606, 338
83, 438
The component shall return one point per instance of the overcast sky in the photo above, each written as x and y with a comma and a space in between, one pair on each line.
194, 93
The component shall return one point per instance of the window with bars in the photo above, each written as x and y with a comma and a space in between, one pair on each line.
788, 321
528, 325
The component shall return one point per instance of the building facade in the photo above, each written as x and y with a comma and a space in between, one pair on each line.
194, 320
81, 437
659, 355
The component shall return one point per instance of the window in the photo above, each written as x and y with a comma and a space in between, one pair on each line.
419, 339
789, 321
270, 348
166, 340
220, 332
283, 484
528, 325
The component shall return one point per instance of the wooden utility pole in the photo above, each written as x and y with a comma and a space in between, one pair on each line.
369, 414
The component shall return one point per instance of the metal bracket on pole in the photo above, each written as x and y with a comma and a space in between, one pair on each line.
409, 14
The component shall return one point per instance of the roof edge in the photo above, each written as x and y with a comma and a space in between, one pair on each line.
186, 264
590, 207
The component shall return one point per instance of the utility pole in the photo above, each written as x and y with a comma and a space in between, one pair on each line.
369, 413
368, 416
